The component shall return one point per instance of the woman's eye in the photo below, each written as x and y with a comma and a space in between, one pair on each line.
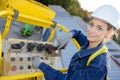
99, 28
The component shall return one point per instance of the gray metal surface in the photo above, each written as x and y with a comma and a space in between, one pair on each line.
15, 30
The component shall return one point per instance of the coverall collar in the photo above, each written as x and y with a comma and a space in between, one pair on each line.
85, 52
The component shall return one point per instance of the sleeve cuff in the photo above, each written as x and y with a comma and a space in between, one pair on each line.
73, 32
42, 66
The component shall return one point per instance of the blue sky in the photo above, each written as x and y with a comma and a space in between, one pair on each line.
91, 5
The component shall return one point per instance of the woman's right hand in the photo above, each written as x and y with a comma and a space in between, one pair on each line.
63, 40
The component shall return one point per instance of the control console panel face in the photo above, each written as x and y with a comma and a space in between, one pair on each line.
19, 55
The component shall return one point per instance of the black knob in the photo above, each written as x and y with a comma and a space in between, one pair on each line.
48, 48
30, 46
40, 47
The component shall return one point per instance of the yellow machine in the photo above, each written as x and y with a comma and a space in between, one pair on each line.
31, 12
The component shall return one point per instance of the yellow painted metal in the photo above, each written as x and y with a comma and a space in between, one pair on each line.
62, 27
27, 75
51, 35
6, 12
3, 4
21, 76
30, 12
76, 43
66, 30
1, 62
39, 77
7, 26
36, 21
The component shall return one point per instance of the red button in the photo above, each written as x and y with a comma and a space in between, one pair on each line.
14, 68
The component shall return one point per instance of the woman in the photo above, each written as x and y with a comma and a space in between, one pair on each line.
103, 23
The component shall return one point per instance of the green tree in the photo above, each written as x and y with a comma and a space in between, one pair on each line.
73, 7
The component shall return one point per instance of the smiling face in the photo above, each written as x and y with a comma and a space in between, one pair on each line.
97, 31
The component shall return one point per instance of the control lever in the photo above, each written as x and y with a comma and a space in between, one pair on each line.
17, 45
40, 47
30, 46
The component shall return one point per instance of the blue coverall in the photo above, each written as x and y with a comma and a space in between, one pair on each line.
97, 70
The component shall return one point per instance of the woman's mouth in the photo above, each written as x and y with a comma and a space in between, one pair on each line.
91, 35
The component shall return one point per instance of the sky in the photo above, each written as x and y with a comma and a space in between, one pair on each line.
91, 5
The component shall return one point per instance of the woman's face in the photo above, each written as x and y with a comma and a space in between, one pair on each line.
97, 30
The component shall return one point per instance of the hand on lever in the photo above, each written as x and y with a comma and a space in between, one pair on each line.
63, 40
36, 61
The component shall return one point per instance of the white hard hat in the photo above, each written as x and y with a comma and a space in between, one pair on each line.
108, 14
